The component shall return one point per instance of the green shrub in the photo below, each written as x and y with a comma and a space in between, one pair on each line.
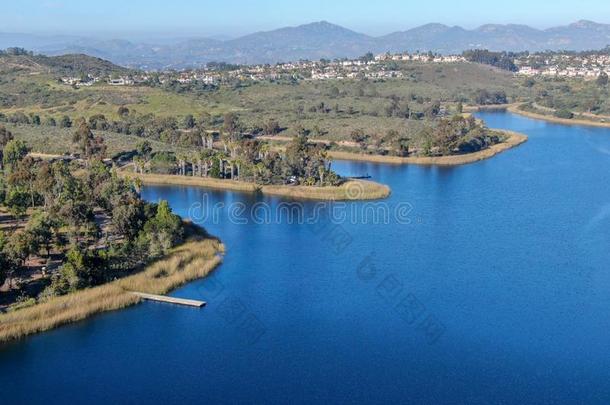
565, 114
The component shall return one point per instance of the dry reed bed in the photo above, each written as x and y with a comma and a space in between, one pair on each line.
63, 310
353, 190
189, 262
194, 259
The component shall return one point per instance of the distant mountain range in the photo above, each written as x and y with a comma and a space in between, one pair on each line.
315, 41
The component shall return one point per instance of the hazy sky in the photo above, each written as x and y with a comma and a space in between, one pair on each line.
235, 17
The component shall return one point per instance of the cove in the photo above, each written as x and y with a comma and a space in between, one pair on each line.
484, 283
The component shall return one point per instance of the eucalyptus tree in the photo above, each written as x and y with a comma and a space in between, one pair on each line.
42, 229
14, 151
23, 176
88, 144
18, 248
144, 150
5, 137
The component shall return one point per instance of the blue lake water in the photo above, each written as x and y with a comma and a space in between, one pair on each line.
486, 283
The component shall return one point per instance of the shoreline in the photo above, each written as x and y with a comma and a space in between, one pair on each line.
514, 139
514, 108
556, 120
194, 259
352, 190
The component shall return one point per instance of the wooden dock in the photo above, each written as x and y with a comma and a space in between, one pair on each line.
170, 300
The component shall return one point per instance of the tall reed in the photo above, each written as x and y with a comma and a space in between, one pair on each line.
194, 259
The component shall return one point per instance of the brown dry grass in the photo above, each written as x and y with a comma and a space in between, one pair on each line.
188, 262
352, 190
192, 260
63, 310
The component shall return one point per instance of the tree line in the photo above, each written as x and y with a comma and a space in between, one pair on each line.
82, 216
502, 60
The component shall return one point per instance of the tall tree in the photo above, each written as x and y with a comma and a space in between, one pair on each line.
231, 125
14, 151
89, 145
40, 227
5, 137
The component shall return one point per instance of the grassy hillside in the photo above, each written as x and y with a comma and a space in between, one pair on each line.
45, 97
362, 104
58, 141
35, 89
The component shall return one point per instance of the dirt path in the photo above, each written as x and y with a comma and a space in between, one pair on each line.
314, 140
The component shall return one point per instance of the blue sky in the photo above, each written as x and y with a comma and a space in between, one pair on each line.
235, 17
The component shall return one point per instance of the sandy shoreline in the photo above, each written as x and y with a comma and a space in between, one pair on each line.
514, 108
555, 120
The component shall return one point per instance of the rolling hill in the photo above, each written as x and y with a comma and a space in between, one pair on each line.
64, 65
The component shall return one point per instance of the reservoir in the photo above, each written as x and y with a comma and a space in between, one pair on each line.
484, 283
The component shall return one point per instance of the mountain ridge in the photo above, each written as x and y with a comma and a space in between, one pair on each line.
317, 40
